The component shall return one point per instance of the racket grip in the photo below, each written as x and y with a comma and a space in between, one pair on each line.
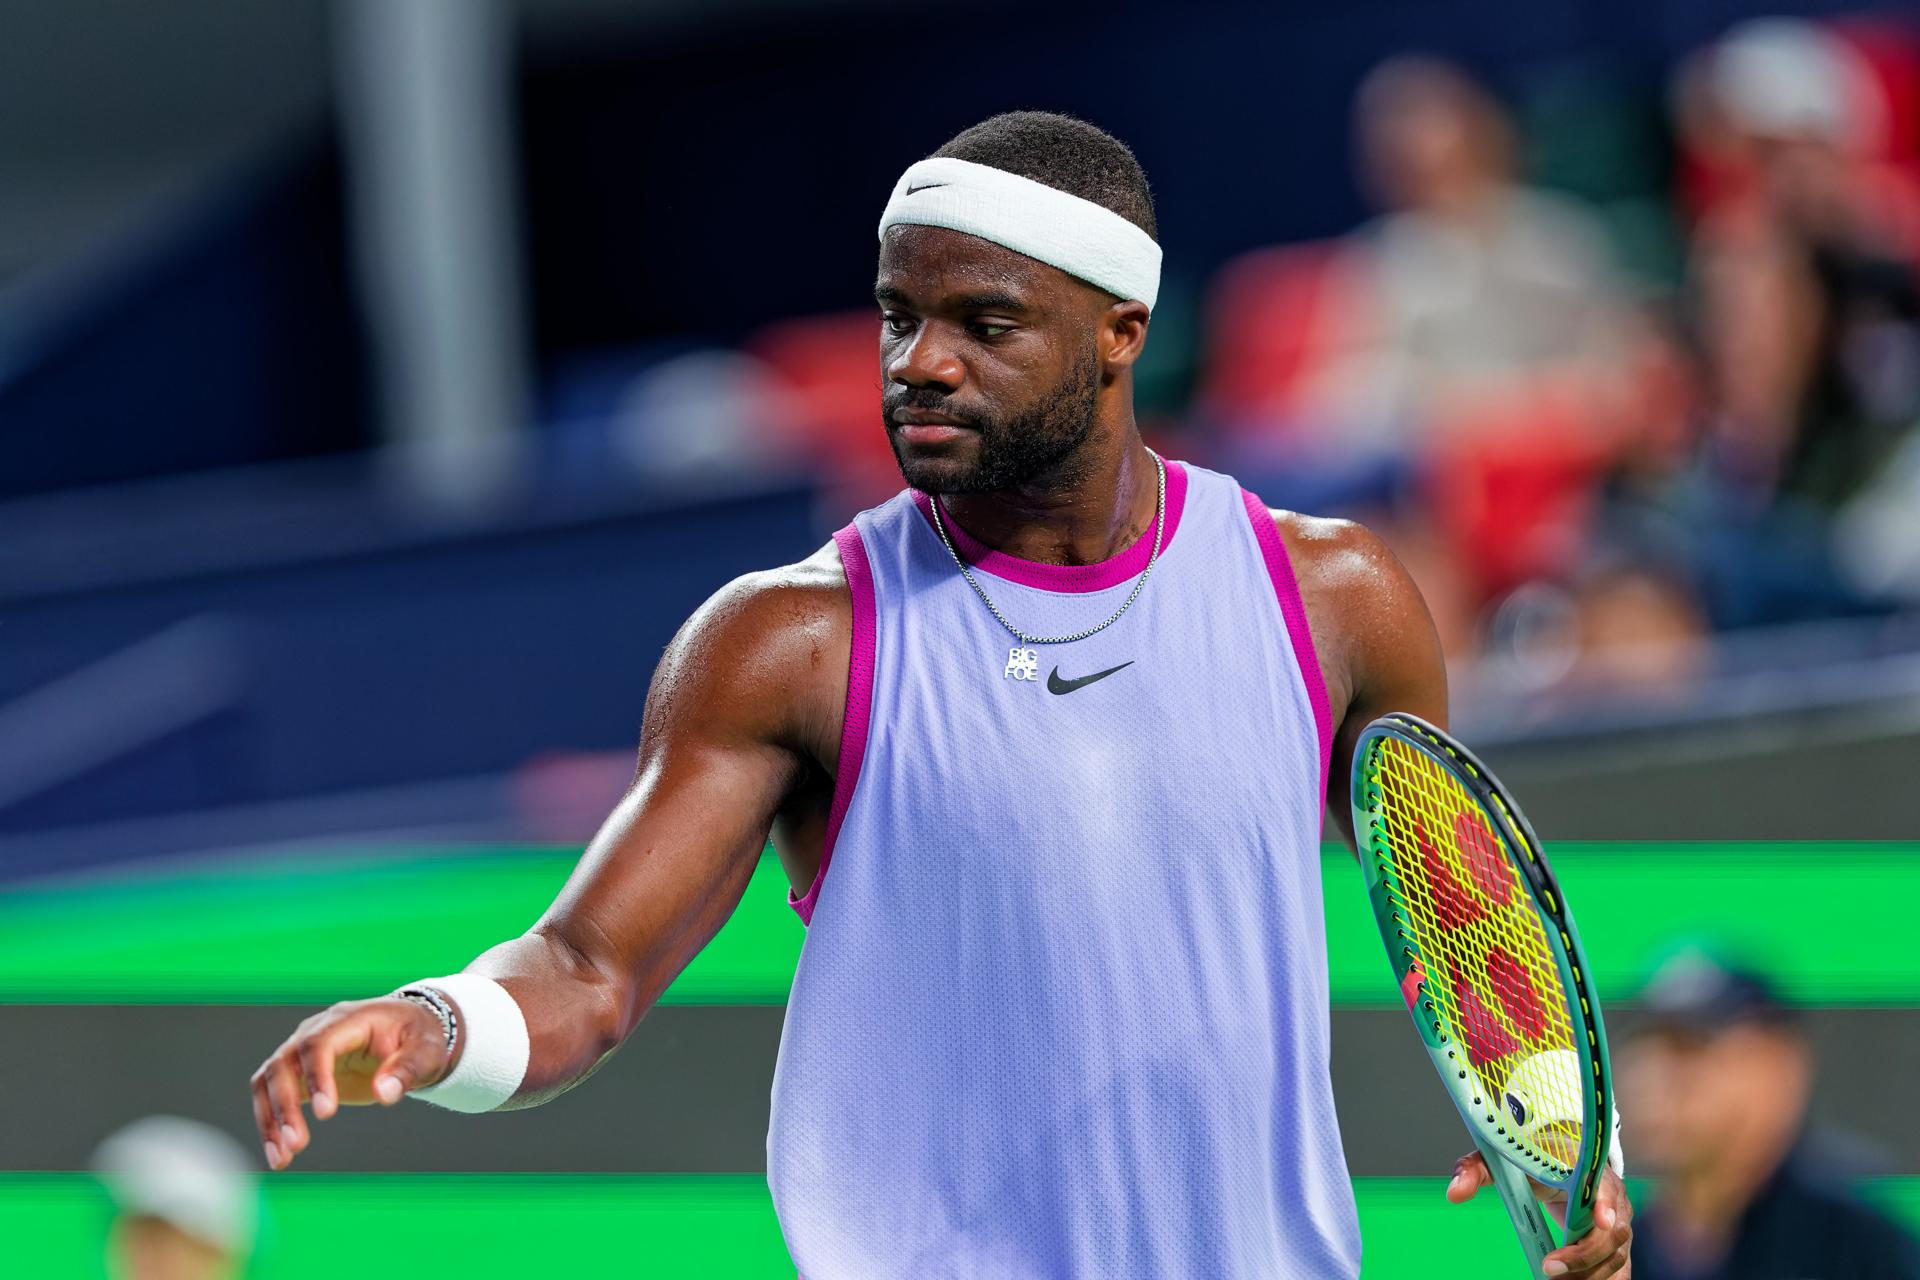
1523, 1207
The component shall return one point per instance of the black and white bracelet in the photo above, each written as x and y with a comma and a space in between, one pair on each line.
494, 1046
442, 1009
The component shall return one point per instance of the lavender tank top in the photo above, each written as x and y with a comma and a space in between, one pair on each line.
1062, 1007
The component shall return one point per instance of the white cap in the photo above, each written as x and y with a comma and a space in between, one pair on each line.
185, 1173
1784, 77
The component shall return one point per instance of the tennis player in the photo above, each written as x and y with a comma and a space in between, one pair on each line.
1044, 745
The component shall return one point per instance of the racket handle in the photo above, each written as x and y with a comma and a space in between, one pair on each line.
1523, 1207
1579, 1222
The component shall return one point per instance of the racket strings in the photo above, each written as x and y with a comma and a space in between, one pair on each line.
1486, 964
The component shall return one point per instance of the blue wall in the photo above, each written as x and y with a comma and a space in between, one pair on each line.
465, 655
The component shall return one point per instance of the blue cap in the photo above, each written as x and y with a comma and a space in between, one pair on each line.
1698, 991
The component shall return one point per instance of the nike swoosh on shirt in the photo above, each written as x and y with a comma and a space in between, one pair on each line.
1056, 685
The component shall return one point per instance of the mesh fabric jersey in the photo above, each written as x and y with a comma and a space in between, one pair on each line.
1062, 1008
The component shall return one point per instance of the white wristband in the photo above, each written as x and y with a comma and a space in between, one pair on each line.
496, 1049
1616, 1158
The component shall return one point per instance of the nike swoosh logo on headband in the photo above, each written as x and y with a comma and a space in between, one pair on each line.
926, 186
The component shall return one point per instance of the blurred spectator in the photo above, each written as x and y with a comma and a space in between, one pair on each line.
1584, 478
1806, 273
1715, 1087
1476, 286
1475, 353
1806, 317
185, 1201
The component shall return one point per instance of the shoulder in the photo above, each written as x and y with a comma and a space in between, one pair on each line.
1369, 623
1346, 572
1329, 547
1822, 1212
776, 606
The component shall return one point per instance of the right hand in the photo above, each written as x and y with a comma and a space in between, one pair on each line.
354, 1054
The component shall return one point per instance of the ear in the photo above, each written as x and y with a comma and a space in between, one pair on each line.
1123, 334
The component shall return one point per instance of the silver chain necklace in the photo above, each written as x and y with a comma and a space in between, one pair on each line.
1022, 662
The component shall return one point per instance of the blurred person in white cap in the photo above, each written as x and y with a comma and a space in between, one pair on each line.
186, 1205
1804, 260
1788, 112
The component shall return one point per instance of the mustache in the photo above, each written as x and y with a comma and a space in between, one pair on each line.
925, 400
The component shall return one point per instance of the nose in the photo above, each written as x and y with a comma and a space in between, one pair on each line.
924, 359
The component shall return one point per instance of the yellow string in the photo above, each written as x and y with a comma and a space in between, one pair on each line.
1489, 969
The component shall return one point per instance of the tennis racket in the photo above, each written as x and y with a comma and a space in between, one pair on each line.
1490, 966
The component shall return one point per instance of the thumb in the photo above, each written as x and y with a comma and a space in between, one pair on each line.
392, 1080
405, 1069
1469, 1175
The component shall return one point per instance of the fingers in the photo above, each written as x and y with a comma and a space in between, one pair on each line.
317, 1051
310, 1059
417, 1056
1617, 1265
1470, 1173
283, 1090
276, 1108
1603, 1251
302, 1068
405, 1060
268, 1127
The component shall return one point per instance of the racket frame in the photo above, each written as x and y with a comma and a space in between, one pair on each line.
1485, 1118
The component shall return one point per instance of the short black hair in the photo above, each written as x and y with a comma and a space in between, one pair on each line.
1064, 153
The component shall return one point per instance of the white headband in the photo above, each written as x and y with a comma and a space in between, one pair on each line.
1078, 236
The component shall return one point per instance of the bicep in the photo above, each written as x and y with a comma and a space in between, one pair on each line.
718, 754
670, 863
1390, 652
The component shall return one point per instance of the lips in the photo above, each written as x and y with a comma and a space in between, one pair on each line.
931, 432
927, 427
926, 418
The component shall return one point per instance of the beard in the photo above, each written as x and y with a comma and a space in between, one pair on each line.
1010, 452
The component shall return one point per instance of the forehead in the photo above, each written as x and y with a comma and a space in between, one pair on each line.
927, 262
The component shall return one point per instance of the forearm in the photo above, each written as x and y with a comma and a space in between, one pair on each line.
576, 1012
725, 739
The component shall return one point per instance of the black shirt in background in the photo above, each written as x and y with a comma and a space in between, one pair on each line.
1807, 1223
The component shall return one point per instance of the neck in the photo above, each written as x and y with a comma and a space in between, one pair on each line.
1705, 1200
1087, 513
1473, 204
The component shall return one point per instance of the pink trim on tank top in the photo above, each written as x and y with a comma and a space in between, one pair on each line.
1287, 589
1110, 572
853, 722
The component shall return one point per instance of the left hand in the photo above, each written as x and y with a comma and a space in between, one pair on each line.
1599, 1253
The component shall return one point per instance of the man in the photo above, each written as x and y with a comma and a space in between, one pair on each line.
1044, 746
1479, 287
1719, 1079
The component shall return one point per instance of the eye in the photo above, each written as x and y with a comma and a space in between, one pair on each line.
987, 330
897, 325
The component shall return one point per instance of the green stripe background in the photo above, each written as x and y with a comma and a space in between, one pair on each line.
330, 928
351, 922
318, 1225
